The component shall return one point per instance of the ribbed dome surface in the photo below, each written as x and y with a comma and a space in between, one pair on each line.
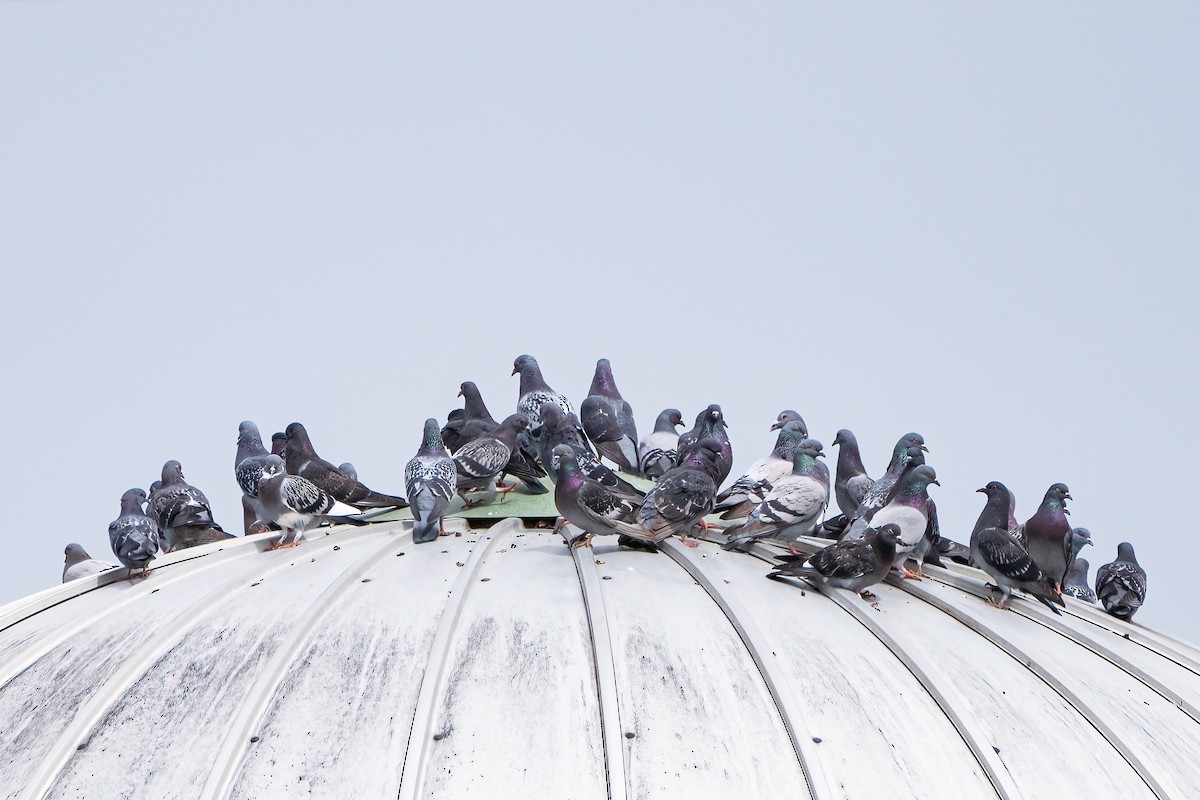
497, 663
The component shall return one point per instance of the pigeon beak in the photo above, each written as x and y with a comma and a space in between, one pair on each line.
926, 449
1087, 541
514, 372
777, 426
1067, 511
935, 483
982, 490
1068, 497
459, 394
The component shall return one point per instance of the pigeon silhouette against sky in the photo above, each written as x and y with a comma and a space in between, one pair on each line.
430, 480
710, 424
1048, 534
658, 452
1077, 584
748, 491
608, 420
302, 460
794, 506
295, 503
590, 505
853, 564
133, 535
182, 512
1121, 584
995, 551
535, 392
79, 564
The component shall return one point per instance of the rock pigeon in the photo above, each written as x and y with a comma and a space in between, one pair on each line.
1080, 538
1121, 584
278, 443
996, 552
608, 420
710, 424
479, 463
910, 445
247, 469
658, 452
1077, 584
681, 498
430, 480
786, 416
182, 512
295, 503
347, 469
452, 431
79, 564
589, 504
749, 490
853, 564
851, 482
133, 535
534, 391
1048, 534
793, 507
473, 422
559, 428
302, 460
908, 508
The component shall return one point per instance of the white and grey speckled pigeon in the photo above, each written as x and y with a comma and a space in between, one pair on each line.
794, 506
909, 446
1048, 534
133, 535
182, 512
535, 392
908, 508
658, 452
710, 424
479, 463
302, 460
589, 504
1121, 584
681, 498
247, 469
608, 420
430, 479
788, 415
1077, 584
749, 490
79, 564
295, 503
995, 551
851, 481
853, 564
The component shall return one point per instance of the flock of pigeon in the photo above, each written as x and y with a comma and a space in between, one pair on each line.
885, 525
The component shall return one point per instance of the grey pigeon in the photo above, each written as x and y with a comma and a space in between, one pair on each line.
788, 415
853, 564
749, 490
851, 481
534, 392
680, 499
658, 452
710, 424
79, 564
347, 469
608, 420
793, 507
430, 480
996, 552
248, 465
1121, 584
302, 460
1077, 584
909, 446
295, 503
588, 504
909, 509
182, 512
1048, 534
452, 431
473, 422
559, 428
278, 443
479, 463
133, 535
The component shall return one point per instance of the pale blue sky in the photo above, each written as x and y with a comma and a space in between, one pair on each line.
979, 223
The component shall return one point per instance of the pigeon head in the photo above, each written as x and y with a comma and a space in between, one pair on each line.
786, 416
248, 433
915, 456
1125, 552
995, 489
668, 419
1080, 538
75, 553
1057, 495
551, 415
811, 448
889, 533
296, 433
845, 437
272, 466
278, 442
468, 388
172, 473
918, 479
562, 461
133, 497
524, 364
906, 441
603, 382
432, 436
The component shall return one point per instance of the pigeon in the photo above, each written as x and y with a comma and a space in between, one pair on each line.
1121, 584
183, 512
133, 535
658, 451
1080, 538
347, 469
247, 468
908, 508
278, 443
1048, 534
996, 552
473, 421
851, 481
534, 391
853, 564
910, 445
302, 460
452, 431
480, 462
786, 416
430, 479
608, 420
79, 564
995, 510
749, 490
295, 503
1077, 584
793, 507
680, 499
559, 428
710, 424
589, 504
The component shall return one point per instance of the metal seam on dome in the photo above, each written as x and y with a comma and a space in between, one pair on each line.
412, 771
606, 674
1031, 664
92, 712
254, 707
996, 771
790, 710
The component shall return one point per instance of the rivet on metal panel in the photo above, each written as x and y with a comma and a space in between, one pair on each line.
337, 547
606, 578
817, 739
255, 739
484, 580
366, 580
630, 734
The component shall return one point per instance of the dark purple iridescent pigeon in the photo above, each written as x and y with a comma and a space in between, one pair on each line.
589, 505
1048, 534
608, 420
1121, 584
710, 424
658, 452
430, 480
997, 552
748, 491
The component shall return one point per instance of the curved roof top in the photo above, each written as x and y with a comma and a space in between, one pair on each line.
497, 660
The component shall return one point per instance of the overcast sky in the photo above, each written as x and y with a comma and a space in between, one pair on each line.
976, 222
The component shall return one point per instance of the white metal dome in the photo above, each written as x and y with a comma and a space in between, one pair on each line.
498, 663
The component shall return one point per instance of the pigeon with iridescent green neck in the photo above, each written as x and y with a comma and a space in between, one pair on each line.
658, 452
794, 506
1077, 583
608, 420
710, 424
1121, 584
910, 445
430, 480
909, 509
1048, 534
749, 490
